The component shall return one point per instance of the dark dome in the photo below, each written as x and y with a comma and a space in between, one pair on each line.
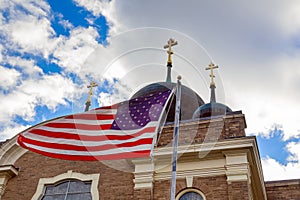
190, 100
211, 109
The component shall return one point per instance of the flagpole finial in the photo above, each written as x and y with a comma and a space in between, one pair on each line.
211, 67
88, 101
179, 77
171, 42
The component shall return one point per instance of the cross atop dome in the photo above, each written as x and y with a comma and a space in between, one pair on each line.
88, 101
211, 67
171, 42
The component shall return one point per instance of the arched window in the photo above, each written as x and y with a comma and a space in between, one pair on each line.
68, 190
68, 186
190, 194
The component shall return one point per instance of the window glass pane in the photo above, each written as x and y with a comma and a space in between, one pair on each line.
72, 189
54, 197
191, 196
79, 186
57, 189
86, 196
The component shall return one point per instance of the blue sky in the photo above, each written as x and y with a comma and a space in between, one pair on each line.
47, 48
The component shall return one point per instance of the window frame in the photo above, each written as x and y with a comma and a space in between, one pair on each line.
187, 190
43, 182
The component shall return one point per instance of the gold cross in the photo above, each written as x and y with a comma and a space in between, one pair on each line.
171, 42
92, 84
211, 67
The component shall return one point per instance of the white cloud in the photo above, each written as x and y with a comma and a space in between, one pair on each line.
71, 52
256, 50
27, 27
34, 7
1, 49
32, 34
107, 9
11, 130
66, 24
8, 78
49, 91
273, 170
118, 91
104, 99
294, 149
27, 67
267, 97
96, 7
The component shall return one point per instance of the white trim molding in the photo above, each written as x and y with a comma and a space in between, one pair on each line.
189, 181
143, 174
6, 173
181, 193
237, 166
69, 175
10, 152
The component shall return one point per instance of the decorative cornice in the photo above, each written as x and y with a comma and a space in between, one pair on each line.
6, 173
8, 170
206, 172
226, 144
143, 174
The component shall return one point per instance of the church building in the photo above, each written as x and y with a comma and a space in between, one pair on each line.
216, 161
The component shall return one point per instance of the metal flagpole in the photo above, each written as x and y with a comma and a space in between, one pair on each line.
175, 138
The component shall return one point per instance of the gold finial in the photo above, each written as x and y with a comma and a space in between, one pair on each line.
92, 84
88, 101
171, 42
211, 67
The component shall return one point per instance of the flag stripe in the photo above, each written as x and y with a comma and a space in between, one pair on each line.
82, 121
64, 135
65, 146
92, 116
111, 107
86, 142
92, 153
95, 132
102, 111
133, 154
78, 126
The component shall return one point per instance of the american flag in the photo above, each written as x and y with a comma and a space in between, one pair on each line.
124, 130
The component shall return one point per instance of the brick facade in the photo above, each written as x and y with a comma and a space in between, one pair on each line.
283, 190
195, 132
113, 184
238, 190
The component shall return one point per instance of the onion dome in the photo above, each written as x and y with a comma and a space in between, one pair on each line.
190, 100
211, 109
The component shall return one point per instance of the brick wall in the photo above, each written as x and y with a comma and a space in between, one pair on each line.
113, 184
214, 188
238, 190
143, 194
211, 130
283, 190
